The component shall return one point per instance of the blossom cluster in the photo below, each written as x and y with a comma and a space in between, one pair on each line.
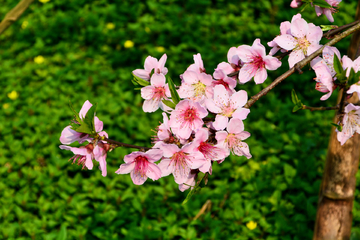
203, 117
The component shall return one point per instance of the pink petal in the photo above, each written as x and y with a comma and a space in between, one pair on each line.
299, 28
247, 72
260, 76
154, 155
314, 35
258, 48
241, 113
238, 99
150, 64
153, 171
221, 96
235, 126
232, 55
221, 122
286, 41
85, 108
157, 80
271, 63
141, 73
161, 64
98, 124
126, 168
166, 167
245, 53
147, 92
190, 77
138, 178
151, 105
295, 57
328, 14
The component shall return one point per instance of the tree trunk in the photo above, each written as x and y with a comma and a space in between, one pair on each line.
334, 214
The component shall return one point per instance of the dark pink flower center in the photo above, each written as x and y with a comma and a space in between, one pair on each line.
159, 92
222, 82
141, 165
258, 62
179, 159
190, 115
207, 150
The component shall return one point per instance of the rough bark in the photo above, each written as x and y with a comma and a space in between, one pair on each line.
334, 214
14, 14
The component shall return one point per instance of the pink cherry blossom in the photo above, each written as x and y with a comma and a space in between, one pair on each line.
155, 93
196, 86
222, 79
69, 135
303, 40
227, 106
327, 59
210, 151
141, 166
296, 3
325, 81
232, 139
187, 117
179, 162
351, 123
100, 153
255, 62
233, 65
190, 182
328, 11
284, 29
198, 66
83, 155
152, 63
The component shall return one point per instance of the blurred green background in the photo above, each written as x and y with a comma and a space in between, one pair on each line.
82, 50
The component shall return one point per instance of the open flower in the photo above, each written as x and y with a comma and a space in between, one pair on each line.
232, 139
255, 62
152, 63
303, 40
324, 80
187, 117
196, 86
83, 155
141, 166
227, 106
155, 93
351, 123
179, 162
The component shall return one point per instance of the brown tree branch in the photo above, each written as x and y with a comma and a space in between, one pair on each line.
319, 108
14, 14
120, 144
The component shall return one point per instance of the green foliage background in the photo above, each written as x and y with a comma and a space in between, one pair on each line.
43, 196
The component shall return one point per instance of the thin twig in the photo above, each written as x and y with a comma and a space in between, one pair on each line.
298, 66
319, 108
14, 14
335, 31
120, 144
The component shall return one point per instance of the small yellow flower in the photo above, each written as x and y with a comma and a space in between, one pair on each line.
251, 225
13, 95
24, 24
128, 44
147, 29
110, 26
6, 106
160, 49
39, 59
44, 1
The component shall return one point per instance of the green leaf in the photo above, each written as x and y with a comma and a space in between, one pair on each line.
89, 118
304, 7
342, 77
321, 3
337, 65
62, 233
170, 104
77, 117
140, 81
294, 97
352, 77
297, 108
200, 184
325, 28
174, 94
338, 127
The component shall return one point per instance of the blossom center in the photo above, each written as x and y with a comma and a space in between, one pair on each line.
207, 150
159, 93
258, 62
141, 165
303, 44
199, 89
190, 114
227, 111
179, 159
